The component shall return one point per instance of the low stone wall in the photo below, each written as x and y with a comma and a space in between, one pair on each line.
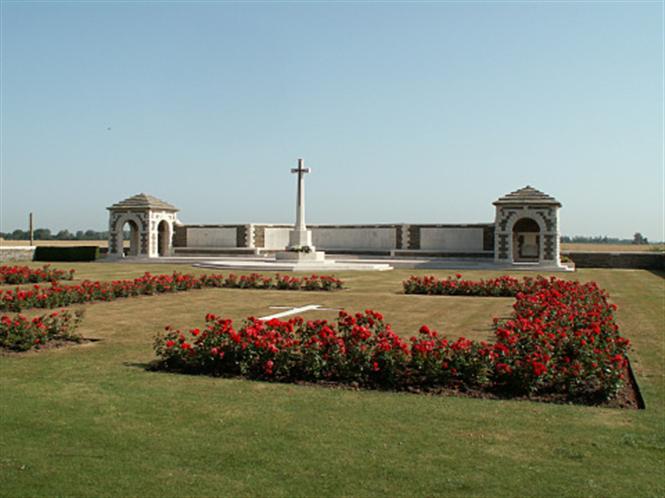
381, 238
636, 260
17, 253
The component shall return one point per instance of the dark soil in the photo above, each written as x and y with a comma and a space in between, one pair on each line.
55, 344
628, 397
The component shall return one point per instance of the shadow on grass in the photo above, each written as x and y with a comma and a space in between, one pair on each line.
50, 345
140, 366
157, 366
658, 273
629, 397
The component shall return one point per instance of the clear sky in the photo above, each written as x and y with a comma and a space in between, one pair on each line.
418, 112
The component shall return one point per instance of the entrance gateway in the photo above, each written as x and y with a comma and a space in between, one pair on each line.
525, 232
526, 228
149, 224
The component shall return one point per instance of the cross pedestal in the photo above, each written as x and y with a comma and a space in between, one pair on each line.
300, 238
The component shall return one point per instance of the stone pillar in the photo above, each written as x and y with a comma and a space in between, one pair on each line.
503, 240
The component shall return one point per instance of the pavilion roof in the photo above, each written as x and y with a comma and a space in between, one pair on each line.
527, 195
143, 201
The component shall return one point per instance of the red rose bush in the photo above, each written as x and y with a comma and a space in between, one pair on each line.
25, 275
21, 334
504, 286
561, 339
58, 295
357, 349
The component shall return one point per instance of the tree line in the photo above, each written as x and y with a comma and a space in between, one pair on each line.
638, 238
46, 234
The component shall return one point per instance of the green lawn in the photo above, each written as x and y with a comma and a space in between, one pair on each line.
89, 420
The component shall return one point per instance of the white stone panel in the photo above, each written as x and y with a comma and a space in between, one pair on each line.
451, 239
276, 238
211, 237
354, 238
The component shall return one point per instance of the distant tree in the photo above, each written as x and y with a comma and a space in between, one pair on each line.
19, 234
638, 238
45, 234
42, 234
64, 235
598, 239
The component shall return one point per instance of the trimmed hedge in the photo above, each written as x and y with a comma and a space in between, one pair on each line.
74, 253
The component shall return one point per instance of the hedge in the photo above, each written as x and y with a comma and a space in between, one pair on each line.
74, 253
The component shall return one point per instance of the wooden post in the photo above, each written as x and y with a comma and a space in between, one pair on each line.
31, 234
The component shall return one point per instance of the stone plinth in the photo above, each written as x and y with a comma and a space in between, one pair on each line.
300, 256
300, 238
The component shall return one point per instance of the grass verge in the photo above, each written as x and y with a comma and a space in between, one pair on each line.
88, 420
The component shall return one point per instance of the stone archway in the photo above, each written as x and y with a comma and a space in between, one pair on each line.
132, 223
526, 228
151, 227
133, 237
164, 238
526, 241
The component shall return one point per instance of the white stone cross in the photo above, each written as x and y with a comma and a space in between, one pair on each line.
294, 310
300, 204
300, 237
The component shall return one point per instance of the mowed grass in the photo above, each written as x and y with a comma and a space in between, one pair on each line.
90, 420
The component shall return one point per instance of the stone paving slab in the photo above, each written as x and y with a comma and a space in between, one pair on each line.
346, 263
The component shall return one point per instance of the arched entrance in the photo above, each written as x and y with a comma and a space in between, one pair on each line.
133, 236
149, 222
526, 241
163, 238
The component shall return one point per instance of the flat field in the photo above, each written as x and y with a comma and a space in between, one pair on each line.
575, 246
89, 420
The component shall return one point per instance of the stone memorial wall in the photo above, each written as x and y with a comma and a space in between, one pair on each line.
386, 238
525, 231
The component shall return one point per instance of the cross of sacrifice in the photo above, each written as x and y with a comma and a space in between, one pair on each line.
300, 206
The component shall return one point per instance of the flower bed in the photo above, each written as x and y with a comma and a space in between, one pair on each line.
63, 295
21, 334
26, 275
561, 340
504, 286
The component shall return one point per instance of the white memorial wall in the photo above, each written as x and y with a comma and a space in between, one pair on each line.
211, 236
451, 239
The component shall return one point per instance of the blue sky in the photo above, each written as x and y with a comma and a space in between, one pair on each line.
418, 112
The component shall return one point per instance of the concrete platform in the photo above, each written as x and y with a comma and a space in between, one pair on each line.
345, 262
326, 265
